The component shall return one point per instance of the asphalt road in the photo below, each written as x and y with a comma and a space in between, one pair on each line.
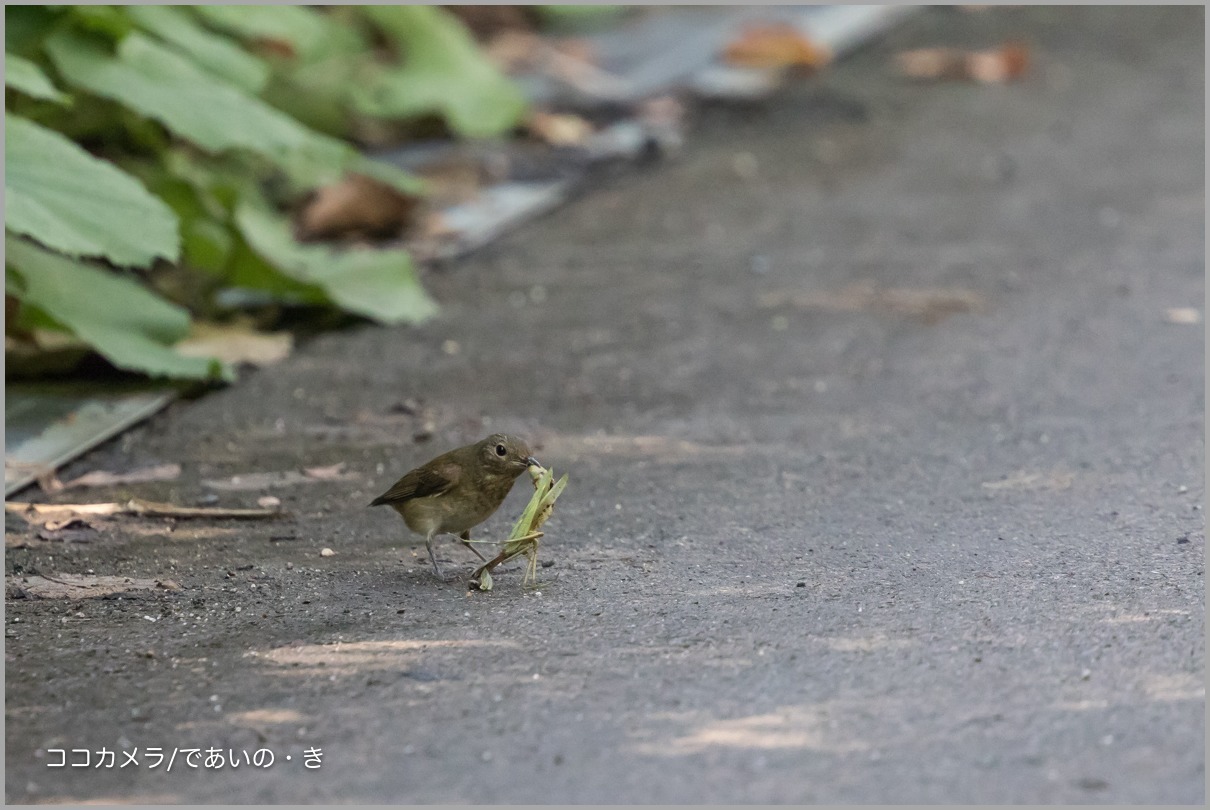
887, 478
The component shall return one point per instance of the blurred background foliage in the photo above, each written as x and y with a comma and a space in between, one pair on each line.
154, 155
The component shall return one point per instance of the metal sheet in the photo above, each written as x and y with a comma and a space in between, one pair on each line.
47, 426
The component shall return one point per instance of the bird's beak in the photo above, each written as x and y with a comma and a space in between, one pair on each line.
530, 461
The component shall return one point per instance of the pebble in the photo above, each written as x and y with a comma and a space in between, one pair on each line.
327, 552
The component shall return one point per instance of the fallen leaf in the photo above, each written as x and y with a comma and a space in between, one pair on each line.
513, 51
236, 342
80, 586
332, 473
101, 478
458, 178
928, 303
570, 61
779, 45
68, 530
559, 129
42, 512
1004, 64
357, 206
1183, 316
251, 482
1021, 481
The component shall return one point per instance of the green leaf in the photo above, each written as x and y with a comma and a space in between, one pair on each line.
213, 52
206, 242
443, 72
216, 116
162, 85
107, 20
68, 200
26, 26
121, 319
309, 34
379, 284
22, 74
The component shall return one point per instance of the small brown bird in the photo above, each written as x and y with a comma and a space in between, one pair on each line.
458, 490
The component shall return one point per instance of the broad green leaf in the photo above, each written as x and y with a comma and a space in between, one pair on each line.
216, 116
22, 74
120, 318
309, 34
214, 53
443, 72
248, 273
317, 94
378, 284
68, 200
165, 86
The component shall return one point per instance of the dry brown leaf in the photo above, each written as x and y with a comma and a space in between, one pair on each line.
513, 50
236, 342
1183, 316
333, 473
778, 45
252, 482
571, 61
357, 206
996, 66
928, 303
101, 478
458, 178
559, 129
80, 586
1055, 480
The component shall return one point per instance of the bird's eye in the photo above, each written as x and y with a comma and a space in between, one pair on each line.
500, 451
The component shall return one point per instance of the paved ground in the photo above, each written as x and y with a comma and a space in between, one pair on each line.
808, 554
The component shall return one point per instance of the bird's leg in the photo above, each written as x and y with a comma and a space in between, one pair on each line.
465, 537
428, 544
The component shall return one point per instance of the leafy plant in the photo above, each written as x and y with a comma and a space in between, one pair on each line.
140, 138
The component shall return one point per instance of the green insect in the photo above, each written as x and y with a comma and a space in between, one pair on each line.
526, 531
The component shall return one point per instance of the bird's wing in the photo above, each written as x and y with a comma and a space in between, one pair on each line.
421, 483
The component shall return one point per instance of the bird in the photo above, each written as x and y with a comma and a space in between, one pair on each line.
458, 490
